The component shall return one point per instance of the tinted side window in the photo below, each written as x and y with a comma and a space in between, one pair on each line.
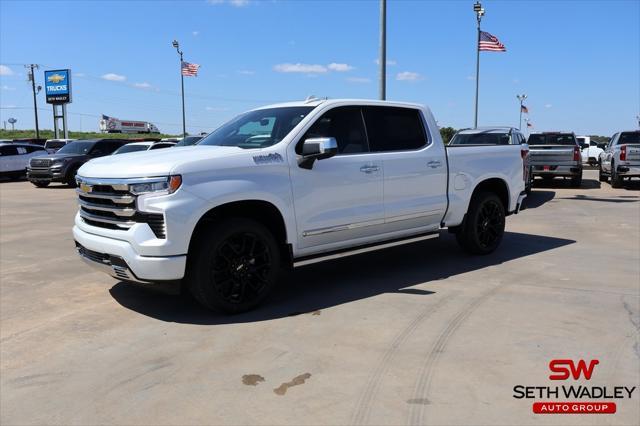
345, 125
8, 150
31, 149
394, 129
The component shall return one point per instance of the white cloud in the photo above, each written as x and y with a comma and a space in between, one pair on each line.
303, 68
5, 87
246, 72
548, 105
79, 74
408, 76
339, 67
143, 85
114, 77
359, 80
195, 33
390, 62
5, 70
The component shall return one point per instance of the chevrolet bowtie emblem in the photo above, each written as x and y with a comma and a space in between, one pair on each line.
55, 78
85, 188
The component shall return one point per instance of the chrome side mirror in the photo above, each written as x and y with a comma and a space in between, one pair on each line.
317, 149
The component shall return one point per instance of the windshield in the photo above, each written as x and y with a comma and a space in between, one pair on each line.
629, 137
130, 148
79, 147
552, 139
257, 129
54, 144
189, 140
481, 139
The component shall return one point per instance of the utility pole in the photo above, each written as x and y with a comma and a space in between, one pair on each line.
383, 50
479, 10
184, 126
32, 78
521, 98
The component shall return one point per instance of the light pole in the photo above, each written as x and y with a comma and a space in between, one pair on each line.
521, 98
383, 49
479, 10
177, 46
32, 79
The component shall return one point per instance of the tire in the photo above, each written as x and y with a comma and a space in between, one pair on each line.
576, 181
601, 176
70, 179
41, 184
483, 228
616, 181
234, 266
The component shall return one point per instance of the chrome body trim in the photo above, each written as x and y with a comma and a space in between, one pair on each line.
125, 212
96, 218
120, 199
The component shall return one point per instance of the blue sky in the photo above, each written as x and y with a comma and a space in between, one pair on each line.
578, 61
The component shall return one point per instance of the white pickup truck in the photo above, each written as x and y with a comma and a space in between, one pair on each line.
286, 185
621, 158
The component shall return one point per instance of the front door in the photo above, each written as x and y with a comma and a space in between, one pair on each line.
339, 199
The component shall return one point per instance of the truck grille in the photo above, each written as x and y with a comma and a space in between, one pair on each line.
40, 162
113, 206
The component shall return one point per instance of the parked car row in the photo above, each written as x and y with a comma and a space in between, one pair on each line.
57, 160
561, 154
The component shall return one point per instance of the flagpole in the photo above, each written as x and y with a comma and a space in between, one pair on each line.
184, 127
477, 7
521, 98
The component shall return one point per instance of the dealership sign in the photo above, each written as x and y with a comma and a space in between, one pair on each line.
58, 86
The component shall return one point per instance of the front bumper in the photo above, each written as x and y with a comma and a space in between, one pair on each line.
541, 170
119, 259
49, 175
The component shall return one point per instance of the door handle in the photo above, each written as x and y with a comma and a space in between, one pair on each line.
434, 164
369, 169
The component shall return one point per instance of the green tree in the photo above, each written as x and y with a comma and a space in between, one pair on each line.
447, 133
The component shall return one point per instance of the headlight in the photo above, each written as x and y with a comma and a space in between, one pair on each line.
167, 185
59, 161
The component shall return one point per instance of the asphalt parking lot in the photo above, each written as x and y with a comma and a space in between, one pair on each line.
419, 334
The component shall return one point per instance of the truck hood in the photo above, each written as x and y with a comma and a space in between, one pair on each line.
159, 162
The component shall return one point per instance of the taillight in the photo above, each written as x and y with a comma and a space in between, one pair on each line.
576, 153
623, 153
523, 153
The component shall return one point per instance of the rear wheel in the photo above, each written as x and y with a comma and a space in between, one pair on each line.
235, 266
483, 228
616, 180
576, 181
601, 176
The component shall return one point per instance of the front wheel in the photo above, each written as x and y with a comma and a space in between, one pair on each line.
484, 225
70, 179
41, 183
234, 266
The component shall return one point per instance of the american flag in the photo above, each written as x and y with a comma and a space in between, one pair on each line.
529, 124
524, 109
490, 43
190, 70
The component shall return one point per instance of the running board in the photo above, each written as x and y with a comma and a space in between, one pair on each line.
338, 254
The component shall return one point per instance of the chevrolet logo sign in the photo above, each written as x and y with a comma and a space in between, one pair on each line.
85, 188
55, 78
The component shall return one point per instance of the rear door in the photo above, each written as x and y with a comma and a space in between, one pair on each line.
340, 199
415, 169
8, 156
608, 153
